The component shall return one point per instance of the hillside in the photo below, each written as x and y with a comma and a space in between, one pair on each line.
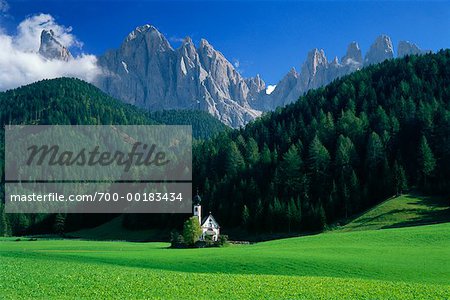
404, 263
406, 210
336, 152
73, 101
204, 125
66, 101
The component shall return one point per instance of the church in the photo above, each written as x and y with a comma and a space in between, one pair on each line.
209, 225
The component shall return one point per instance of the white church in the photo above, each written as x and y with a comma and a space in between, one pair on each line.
209, 225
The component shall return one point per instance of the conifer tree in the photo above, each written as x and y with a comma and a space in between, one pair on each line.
245, 216
427, 162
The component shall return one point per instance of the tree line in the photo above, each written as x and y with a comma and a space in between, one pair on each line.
67, 101
335, 152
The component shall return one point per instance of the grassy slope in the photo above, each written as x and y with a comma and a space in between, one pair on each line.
402, 263
403, 211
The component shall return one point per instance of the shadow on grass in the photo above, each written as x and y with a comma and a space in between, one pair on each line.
233, 263
364, 222
437, 211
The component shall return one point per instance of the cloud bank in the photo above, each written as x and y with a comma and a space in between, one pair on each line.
21, 64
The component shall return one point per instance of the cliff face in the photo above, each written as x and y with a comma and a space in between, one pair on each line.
148, 72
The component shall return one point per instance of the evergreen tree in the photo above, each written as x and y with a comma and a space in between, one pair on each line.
321, 217
427, 162
292, 214
355, 195
345, 156
258, 215
59, 224
318, 165
266, 157
400, 182
319, 158
252, 152
245, 216
290, 174
4, 223
375, 152
234, 162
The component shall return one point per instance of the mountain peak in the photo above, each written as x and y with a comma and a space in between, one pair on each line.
380, 50
255, 85
187, 40
335, 61
257, 81
142, 30
353, 55
204, 44
316, 59
51, 48
155, 41
408, 48
187, 51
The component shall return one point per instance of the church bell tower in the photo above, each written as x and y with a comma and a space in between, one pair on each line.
197, 207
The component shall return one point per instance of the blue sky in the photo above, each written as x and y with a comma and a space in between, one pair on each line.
265, 37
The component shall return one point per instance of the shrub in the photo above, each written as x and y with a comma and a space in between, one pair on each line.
223, 240
176, 240
191, 231
208, 241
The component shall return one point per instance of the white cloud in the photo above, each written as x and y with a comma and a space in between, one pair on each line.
20, 63
270, 89
29, 32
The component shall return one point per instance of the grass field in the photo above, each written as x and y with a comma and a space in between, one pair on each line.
403, 263
356, 261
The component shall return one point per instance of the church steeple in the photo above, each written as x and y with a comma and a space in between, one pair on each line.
197, 207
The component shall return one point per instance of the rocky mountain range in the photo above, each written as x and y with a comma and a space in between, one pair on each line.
317, 71
146, 71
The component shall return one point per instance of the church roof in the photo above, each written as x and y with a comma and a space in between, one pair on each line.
206, 218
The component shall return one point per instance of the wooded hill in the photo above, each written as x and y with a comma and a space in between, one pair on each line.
335, 152
71, 101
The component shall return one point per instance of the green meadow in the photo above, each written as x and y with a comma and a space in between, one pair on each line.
403, 263
403, 211
369, 258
